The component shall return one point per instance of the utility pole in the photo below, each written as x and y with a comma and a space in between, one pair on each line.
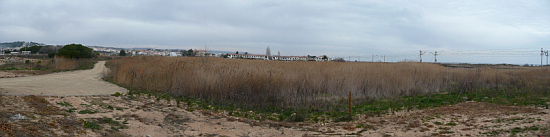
546, 52
435, 54
421, 53
372, 57
384, 58
541, 54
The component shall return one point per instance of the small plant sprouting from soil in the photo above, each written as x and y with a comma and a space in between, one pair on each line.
70, 110
116, 94
92, 125
65, 104
87, 112
451, 124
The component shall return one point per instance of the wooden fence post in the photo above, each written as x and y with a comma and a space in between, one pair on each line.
349, 100
131, 84
471, 92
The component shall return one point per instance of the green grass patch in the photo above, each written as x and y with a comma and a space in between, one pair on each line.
110, 107
451, 124
70, 110
65, 104
116, 94
115, 125
91, 125
87, 112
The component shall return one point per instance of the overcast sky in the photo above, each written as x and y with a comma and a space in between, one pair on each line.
397, 29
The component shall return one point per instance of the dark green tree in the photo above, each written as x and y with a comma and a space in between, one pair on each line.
122, 53
237, 52
190, 52
51, 54
76, 51
33, 49
184, 52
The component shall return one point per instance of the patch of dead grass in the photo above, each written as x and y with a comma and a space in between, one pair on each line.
7, 128
41, 105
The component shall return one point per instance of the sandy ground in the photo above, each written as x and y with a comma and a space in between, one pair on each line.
143, 115
82, 82
10, 75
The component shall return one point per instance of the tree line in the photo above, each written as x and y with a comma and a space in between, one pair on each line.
77, 51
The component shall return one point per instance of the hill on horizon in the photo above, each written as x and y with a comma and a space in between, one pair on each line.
19, 44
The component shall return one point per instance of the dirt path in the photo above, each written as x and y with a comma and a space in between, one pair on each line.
83, 82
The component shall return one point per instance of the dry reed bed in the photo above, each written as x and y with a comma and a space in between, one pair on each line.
256, 83
61, 64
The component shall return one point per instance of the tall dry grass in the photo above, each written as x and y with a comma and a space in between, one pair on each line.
260, 84
64, 64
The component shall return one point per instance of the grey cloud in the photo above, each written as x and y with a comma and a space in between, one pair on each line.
337, 28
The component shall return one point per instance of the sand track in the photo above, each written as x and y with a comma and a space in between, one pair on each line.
74, 83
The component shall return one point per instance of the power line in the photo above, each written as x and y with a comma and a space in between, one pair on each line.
516, 52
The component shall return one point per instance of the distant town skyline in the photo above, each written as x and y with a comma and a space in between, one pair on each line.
462, 31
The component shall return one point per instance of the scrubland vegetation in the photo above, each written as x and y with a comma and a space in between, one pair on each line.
36, 65
322, 87
48, 65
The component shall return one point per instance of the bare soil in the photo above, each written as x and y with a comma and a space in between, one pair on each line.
142, 115
10, 75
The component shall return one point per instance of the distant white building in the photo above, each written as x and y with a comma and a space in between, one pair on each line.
173, 54
276, 57
247, 56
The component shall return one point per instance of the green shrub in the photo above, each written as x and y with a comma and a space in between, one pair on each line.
65, 104
33, 49
76, 51
451, 124
87, 112
92, 125
51, 54
295, 118
116, 94
71, 110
